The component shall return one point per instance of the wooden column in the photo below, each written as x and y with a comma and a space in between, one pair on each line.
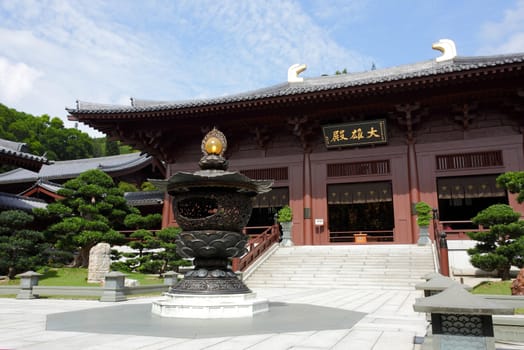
408, 119
308, 223
414, 194
304, 128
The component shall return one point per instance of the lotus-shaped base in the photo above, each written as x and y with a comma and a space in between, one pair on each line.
211, 244
211, 250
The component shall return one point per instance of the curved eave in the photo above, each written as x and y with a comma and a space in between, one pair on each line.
24, 160
447, 75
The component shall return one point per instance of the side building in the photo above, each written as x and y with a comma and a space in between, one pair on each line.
16, 154
352, 153
24, 186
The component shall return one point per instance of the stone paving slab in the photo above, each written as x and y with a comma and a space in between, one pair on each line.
138, 320
313, 319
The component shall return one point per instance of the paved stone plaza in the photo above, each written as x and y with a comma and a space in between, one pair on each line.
298, 319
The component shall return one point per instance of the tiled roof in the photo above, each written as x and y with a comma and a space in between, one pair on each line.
137, 199
46, 185
309, 85
50, 186
11, 202
16, 152
15, 146
19, 175
68, 169
71, 168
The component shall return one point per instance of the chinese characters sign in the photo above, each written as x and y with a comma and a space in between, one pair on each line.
355, 134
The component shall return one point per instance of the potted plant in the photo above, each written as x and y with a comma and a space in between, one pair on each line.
284, 218
424, 215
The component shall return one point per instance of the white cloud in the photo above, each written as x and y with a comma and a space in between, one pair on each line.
507, 35
16, 80
106, 52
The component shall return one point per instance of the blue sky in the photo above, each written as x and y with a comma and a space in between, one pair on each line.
55, 52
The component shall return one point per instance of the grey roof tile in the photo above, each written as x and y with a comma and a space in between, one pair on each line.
47, 185
19, 150
71, 168
144, 198
17, 176
68, 169
324, 83
10, 202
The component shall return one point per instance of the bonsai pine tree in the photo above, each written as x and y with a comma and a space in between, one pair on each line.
21, 248
513, 181
157, 261
503, 245
92, 211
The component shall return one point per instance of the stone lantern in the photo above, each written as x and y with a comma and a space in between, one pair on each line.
437, 284
460, 320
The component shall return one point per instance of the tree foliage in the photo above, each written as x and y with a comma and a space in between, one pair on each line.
21, 248
112, 148
513, 181
44, 135
92, 211
47, 135
127, 187
156, 252
503, 245
424, 213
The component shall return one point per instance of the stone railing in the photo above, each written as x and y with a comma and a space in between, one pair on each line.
114, 288
256, 247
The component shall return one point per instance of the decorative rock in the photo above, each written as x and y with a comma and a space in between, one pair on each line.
99, 263
517, 287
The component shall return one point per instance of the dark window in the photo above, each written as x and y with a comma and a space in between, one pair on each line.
461, 198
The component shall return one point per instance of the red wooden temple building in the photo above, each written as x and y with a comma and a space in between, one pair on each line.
354, 152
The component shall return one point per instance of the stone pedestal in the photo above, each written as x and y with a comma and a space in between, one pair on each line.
28, 280
114, 287
423, 238
287, 241
210, 306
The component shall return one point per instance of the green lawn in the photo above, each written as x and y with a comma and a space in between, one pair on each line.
493, 287
496, 287
67, 276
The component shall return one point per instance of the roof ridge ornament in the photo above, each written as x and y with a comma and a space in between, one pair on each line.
294, 71
448, 49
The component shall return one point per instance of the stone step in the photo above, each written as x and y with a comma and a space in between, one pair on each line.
343, 267
333, 277
339, 264
404, 286
387, 266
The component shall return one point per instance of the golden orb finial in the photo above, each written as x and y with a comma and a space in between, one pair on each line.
214, 143
213, 146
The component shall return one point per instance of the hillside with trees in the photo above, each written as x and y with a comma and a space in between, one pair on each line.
45, 135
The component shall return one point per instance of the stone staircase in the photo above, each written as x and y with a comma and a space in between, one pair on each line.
391, 266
